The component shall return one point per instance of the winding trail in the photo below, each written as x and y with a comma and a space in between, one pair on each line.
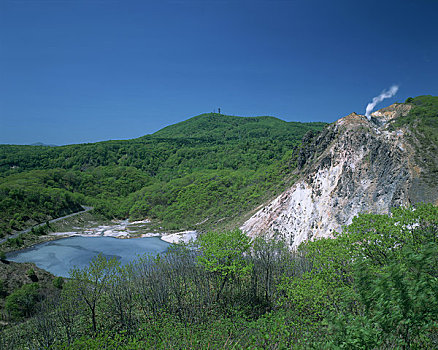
50, 221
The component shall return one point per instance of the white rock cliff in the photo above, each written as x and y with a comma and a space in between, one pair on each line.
355, 165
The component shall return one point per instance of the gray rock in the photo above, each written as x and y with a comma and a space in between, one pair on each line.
355, 165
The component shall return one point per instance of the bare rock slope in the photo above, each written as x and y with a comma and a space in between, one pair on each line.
355, 165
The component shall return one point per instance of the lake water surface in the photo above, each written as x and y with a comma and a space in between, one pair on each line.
59, 256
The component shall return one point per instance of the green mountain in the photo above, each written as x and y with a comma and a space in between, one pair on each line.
206, 168
215, 126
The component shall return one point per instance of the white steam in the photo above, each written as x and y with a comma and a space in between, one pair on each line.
385, 94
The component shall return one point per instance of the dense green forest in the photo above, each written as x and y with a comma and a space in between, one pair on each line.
373, 287
206, 168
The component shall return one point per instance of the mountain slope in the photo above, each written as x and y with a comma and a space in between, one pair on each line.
205, 169
356, 165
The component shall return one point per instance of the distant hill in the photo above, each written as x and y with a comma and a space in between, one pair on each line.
42, 144
224, 127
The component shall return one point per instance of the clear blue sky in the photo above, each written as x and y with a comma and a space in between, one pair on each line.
78, 71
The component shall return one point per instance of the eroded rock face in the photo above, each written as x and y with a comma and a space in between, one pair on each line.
355, 165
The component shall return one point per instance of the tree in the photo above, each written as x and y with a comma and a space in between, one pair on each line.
122, 295
32, 275
21, 303
2, 289
271, 259
58, 282
91, 282
223, 255
69, 307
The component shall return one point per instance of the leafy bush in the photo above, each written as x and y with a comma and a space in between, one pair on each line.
395, 307
223, 255
22, 302
58, 282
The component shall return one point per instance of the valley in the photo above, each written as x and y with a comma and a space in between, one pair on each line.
189, 180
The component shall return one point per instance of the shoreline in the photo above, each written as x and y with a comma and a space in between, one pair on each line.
173, 238
180, 237
120, 229
124, 229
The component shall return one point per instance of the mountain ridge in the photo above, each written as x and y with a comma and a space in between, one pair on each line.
227, 127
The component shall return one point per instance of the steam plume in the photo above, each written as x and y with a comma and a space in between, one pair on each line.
385, 94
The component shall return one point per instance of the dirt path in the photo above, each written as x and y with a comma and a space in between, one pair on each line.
50, 221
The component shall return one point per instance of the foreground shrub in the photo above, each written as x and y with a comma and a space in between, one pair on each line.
21, 303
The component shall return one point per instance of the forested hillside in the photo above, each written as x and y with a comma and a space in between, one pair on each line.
206, 168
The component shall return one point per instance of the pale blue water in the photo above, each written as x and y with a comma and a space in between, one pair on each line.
59, 256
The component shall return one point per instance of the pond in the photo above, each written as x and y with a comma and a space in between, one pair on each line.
59, 256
